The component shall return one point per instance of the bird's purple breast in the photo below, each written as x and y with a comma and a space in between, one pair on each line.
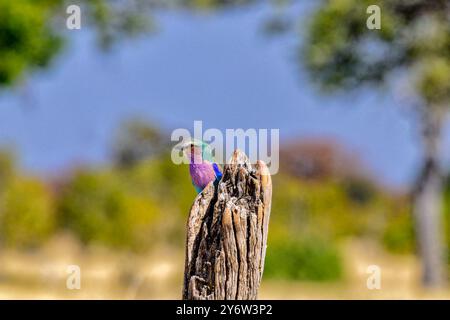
202, 174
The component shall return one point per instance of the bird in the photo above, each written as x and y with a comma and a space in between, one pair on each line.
202, 166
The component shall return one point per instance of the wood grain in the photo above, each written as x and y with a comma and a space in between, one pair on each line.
227, 234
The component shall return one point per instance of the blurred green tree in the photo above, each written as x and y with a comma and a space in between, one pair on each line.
26, 39
27, 216
99, 208
7, 168
310, 259
137, 140
31, 31
341, 52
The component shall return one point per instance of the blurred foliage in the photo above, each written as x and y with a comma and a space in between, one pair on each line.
307, 259
327, 206
318, 159
341, 52
32, 32
398, 235
135, 208
318, 200
7, 168
26, 39
27, 215
138, 203
411, 46
136, 141
117, 20
144, 204
142, 200
280, 21
99, 210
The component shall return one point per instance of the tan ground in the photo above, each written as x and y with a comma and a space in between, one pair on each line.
42, 274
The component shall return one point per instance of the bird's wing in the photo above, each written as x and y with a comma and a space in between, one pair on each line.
217, 171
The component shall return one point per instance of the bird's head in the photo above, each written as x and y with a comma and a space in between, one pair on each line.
197, 151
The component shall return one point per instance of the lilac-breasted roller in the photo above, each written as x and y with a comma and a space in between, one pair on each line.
202, 166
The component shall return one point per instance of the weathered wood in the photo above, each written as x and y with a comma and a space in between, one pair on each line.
227, 234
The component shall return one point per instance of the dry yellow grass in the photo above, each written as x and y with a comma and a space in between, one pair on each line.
42, 274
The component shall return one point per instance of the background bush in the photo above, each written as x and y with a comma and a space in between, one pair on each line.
142, 204
98, 209
306, 259
27, 216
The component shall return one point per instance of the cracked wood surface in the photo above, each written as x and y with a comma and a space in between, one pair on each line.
227, 234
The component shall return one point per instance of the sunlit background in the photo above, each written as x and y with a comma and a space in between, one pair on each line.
85, 121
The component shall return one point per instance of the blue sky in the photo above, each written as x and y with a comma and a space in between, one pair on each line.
215, 67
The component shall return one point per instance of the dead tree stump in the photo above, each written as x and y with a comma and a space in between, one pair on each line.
227, 234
